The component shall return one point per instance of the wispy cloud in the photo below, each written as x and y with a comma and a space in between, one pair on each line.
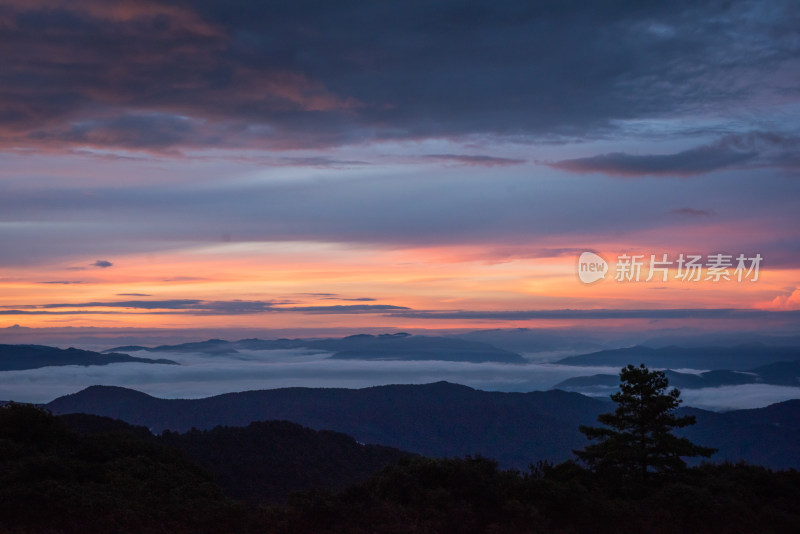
193, 306
475, 160
692, 212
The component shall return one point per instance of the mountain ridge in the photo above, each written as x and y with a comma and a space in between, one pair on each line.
737, 358
775, 374
400, 346
440, 419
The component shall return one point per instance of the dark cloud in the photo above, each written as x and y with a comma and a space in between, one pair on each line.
494, 254
154, 75
518, 315
175, 304
753, 149
240, 307
346, 309
44, 312
195, 307
321, 162
143, 131
64, 282
103, 264
775, 149
335, 296
689, 162
481, 160
133, 295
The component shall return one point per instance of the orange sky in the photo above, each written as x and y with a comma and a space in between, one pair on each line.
290, 275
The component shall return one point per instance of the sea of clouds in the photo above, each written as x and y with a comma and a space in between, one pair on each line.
202, 375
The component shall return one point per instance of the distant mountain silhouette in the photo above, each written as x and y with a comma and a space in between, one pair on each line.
440, 419
534, 340
778, 374
357, 347
399, 347
585, 340
20, 357
739, 358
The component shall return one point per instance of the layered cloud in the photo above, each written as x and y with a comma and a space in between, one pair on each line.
192, 307
782, 311
159, 75
603, 314
514, 207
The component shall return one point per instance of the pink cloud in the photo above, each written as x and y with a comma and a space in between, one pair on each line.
790, 301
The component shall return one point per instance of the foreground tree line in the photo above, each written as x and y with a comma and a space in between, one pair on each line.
631, 477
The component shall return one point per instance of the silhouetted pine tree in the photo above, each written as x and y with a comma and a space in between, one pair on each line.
638, 436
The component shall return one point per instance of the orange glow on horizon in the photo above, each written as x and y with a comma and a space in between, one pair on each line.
288, 275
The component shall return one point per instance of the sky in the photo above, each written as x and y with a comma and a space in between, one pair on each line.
422, 165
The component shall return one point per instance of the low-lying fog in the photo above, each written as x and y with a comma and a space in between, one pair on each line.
202, 375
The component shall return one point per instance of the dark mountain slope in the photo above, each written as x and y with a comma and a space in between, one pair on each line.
53, 480
441, 419
264, 461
